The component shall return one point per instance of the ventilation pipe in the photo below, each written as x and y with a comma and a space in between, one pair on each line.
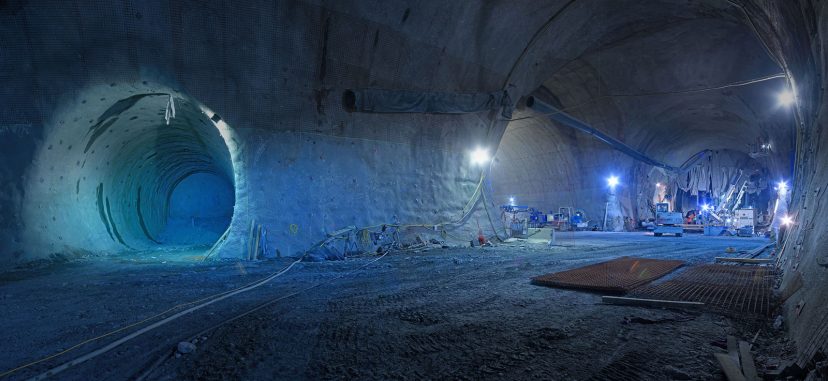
556, 115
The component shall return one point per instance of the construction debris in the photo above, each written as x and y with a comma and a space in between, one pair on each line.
738, 363
730, 367
748, 366
744, 260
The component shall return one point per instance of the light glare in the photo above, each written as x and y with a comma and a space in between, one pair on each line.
612, 181
787, 220
786, 98
782, 188
480, 156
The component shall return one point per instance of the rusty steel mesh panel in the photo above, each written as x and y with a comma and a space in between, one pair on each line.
618, 275
738, 290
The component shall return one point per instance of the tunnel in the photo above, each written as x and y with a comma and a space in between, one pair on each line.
412, 189
134, 171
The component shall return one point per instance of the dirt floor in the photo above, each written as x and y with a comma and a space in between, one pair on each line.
457, 313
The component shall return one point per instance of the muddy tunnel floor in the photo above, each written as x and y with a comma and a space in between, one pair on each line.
457, 313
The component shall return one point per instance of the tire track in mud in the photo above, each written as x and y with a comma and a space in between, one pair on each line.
433, 337
454, 318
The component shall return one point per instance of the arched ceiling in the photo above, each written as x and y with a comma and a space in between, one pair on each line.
652, 78
668, 78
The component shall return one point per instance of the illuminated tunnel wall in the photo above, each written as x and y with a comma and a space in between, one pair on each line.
303, 166
548, 166
128, 169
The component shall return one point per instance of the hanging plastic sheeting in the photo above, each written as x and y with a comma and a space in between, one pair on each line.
404, 101
718, 174
170, 113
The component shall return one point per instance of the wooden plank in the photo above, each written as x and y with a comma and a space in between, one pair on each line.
733, 350
744, 260
748, 366
759, 250
250, 238
619, 300
729, 367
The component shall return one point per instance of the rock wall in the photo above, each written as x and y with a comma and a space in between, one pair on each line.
797, 32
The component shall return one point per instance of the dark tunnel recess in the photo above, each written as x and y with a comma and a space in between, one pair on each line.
151, 170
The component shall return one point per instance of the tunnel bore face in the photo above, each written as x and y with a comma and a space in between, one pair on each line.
151, 170
200, 209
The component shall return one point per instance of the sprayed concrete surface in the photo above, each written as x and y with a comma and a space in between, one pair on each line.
440, 313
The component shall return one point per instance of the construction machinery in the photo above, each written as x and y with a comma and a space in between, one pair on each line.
568, 218
667, 222
579, 220
537, 219
517, 222
745, 222
561, 220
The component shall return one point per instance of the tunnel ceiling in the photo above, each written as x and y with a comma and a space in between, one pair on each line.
636, 80
657, 75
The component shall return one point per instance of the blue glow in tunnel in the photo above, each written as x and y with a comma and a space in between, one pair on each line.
201, 207
134, 174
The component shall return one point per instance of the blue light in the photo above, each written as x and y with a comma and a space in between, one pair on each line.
782, 188
612, 181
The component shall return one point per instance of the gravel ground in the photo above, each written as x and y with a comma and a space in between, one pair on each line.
457, 313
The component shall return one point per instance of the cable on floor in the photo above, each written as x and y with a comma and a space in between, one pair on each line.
268, 303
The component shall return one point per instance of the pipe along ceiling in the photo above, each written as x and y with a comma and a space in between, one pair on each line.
150, 170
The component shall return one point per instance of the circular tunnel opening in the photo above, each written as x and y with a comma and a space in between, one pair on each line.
171, 181
134, 171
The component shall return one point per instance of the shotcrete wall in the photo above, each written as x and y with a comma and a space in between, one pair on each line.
547, 166
274, 81
272, 74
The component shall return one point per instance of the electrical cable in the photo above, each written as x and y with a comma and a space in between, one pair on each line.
110, 346
72, 348
758, 35
467, 210
268, 303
